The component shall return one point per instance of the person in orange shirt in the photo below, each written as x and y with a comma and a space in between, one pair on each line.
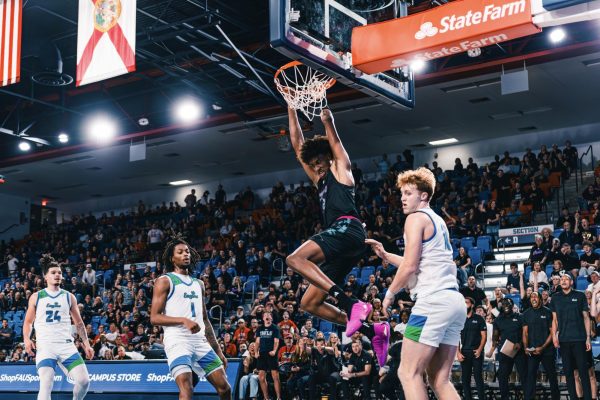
230, 347
241, 333
289, 323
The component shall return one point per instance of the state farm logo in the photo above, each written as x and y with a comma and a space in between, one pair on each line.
427, 30
454, 22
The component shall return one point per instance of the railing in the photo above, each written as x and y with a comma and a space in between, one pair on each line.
589, 150
211, 312
9, 228
254, 283
279, 266
501, 241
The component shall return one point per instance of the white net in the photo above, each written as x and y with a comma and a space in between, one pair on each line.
303, 88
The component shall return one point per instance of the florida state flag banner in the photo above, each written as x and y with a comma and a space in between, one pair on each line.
10, 41
105, 39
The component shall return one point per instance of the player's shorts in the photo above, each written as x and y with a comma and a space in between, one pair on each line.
343, 245
50, 354
187, 356
437, 318
267, 362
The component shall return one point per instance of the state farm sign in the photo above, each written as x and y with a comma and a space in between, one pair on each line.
453, 28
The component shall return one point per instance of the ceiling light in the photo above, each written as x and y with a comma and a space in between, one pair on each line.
24, 146
557, 35
418, 65
63, 138
101, 128
143, 121
187, 110
179, 183
443, 141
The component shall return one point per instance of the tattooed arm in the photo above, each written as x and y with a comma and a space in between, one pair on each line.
80, 326
210, 333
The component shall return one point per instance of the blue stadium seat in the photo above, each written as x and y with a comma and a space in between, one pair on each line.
467, 242
476, 256
19, 316
527, 272
325, 326
597, 251
217, 273
364, 274
516, 298
485, 244
549, 269
108, 277
9, 315
557, 232
18, 330
595, 348
100, 278
582, 283
231, 271
579, 253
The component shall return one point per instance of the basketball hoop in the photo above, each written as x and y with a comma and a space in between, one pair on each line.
303, 88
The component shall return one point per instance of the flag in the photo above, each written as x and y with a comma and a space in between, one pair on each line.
105, 39
10, 41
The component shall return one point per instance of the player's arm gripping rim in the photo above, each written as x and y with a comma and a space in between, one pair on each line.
159, 299
297, 139
28, 325
210, 333
80, 327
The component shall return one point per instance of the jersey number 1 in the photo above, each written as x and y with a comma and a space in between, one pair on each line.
193, 310
52, 316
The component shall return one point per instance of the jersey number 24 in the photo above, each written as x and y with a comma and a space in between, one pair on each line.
52, 316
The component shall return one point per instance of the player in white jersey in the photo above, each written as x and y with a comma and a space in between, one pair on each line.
190, 343
50, 312
427, 269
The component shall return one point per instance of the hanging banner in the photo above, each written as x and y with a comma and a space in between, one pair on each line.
105, 39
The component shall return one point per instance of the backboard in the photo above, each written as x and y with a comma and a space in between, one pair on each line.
318, 33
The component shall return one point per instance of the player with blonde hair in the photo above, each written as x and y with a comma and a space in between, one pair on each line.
433, 331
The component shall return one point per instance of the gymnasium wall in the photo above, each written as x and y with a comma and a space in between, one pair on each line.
483, 151
11, 208
580, 136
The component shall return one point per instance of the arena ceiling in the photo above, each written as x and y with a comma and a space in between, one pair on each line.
180, 51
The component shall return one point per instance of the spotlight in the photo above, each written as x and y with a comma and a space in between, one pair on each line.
143, 121
557, 35
24, 146
101, 128
418, 65
63, 138
187, 110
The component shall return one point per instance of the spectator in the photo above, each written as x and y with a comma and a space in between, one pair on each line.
267, 343
242, 332
190, 200
538, 251
383, 166
13, 264
220, 196
358, 372
513, 279
88, 280
464, 266
537, 277
470, 352
6, 336
571, 333
155, 238
250, 376
583, 233
508, 327
474, 292
537, 342
569, 260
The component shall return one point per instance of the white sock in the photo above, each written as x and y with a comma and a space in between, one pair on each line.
81, 380
46, 375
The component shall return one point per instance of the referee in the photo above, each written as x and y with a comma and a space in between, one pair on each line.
571, 333
472, 341
537, 341
508, 326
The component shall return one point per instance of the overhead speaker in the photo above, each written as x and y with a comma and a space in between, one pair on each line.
50, 70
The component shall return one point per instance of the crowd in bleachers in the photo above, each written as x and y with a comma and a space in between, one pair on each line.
111, 260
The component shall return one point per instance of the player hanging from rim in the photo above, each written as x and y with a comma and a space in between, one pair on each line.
340, 245
427, 269
190, 343
50, 311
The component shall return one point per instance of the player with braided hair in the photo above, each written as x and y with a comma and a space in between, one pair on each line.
50, 311
190, 343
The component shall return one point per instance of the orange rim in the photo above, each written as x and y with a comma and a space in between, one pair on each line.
296, 63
